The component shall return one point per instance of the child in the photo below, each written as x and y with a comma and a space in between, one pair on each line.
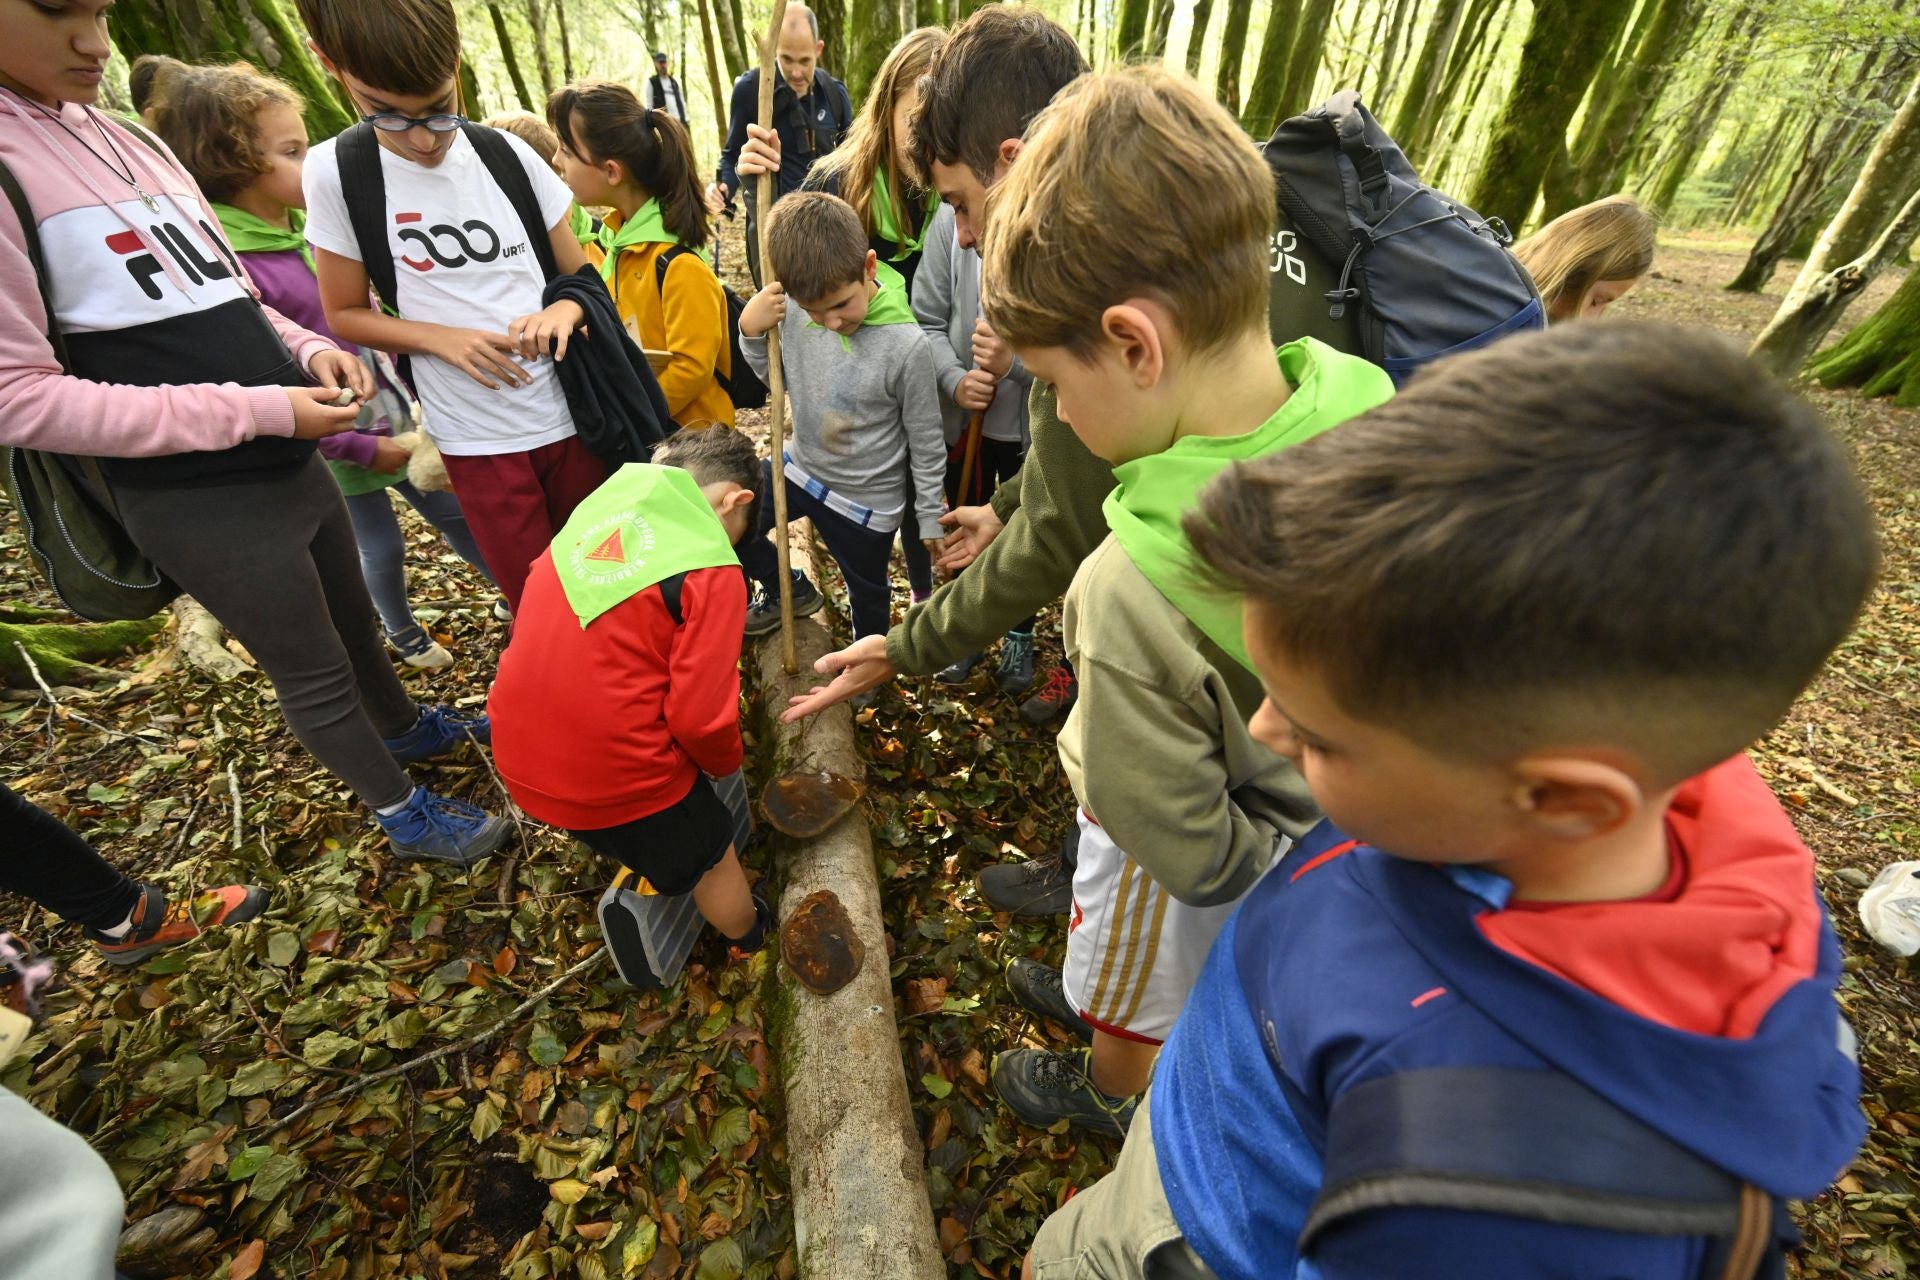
192, 399
865, 404
534, 131
1589, 258
639, 164
1157, 348
621, 759
1556, 942
978, 374
464, 267
240, 135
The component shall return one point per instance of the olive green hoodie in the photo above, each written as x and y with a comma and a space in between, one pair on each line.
1157, 747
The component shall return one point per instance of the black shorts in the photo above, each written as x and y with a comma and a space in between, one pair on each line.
674, 847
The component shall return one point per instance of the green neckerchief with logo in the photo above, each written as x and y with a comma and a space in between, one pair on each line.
646, 226
251, 233
1154, 493
888, 228
888, 306
641, 527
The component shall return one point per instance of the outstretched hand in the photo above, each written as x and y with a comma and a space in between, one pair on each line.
861, 666
974, 529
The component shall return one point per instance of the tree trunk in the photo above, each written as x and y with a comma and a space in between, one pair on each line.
566, 40
1158, 25
1565, 46
260, 31
1882, 356
1467, 68
1885, 182
1233, 52
1798, 204
1270, 71
1309, 42
708, 42
1807, 317
537, 24
1197, 36
1398, 35
643, 18
833, 32
1671, 173
1130, 30
930, 13
1371, 61
737, 51
61, 651
471, 103
875, 29
1601, 152
508, 56
1442, 29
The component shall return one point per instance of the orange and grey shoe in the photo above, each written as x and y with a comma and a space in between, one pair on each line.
159, 924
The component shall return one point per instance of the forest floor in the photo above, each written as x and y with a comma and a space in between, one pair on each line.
604, 1133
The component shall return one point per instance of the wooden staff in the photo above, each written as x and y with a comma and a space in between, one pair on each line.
975, 425
776, 382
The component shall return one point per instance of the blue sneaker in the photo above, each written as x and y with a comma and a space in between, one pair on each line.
435, 829
437, 732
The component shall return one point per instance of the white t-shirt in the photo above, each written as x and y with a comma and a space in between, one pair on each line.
670, 98
461, 258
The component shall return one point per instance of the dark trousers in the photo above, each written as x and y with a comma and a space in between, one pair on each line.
275, 561
861, 553
45, 861
998, 461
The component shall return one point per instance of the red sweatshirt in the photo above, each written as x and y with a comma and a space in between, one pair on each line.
596, 727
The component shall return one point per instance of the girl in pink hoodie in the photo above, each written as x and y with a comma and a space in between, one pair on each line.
198, 404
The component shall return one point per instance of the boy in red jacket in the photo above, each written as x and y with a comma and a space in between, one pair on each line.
620, 690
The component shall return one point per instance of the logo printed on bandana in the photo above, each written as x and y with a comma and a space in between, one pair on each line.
612, 549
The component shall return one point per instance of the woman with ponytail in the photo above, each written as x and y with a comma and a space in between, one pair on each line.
615, 153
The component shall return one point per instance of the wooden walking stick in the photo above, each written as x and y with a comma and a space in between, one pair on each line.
975, 425
776, 382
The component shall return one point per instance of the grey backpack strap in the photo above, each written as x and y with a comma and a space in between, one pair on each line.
1540, 1145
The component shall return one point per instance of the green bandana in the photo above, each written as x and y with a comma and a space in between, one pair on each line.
646, 226
883, 221
642, 526
580, 222
250, 233
1154, 493
889, 304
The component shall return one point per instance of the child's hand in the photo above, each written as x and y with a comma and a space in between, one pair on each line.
388, 457
989, 352
336, 369
480, 355
974, 391
936, 547
548, 330
861, 666
974, 529
315, 414
768, 308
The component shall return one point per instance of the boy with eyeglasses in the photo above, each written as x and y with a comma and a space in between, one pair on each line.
467, 276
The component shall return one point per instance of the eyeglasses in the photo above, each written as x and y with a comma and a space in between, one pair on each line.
395, 122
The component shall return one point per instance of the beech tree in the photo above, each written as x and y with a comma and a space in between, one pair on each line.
263, 33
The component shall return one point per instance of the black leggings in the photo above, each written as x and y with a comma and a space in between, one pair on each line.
44, 860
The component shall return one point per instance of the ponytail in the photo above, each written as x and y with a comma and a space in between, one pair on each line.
599, 120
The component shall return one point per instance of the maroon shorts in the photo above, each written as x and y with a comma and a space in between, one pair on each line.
515, 503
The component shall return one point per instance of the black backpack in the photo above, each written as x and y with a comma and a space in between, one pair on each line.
1371, 260
743, 386
363, 185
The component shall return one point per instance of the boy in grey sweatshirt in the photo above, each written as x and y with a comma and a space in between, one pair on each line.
866, 406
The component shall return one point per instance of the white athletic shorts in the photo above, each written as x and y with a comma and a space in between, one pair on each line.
1134, 951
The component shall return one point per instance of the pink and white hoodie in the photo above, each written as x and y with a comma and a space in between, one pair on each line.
177, 367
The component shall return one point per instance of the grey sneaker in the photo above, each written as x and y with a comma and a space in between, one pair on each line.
1039, 990
1043, 887
763, 612
1044, 1088
961, 671
1014, 675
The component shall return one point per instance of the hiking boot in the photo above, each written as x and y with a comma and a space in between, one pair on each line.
432, 828
1039, 990
765, 927
1056, 696
763, 611
1042, 887
961, 671
1043, 1088
418, 649
159, 924
1014, 675
437, 732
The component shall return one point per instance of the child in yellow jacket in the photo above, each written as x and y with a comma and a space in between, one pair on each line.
639, 164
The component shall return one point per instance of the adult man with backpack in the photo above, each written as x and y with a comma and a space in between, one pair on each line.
812, 112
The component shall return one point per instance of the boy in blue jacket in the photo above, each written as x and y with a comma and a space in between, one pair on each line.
1551, 991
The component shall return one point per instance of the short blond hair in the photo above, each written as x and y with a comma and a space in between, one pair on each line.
530, 129
1133, 183
815, 244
